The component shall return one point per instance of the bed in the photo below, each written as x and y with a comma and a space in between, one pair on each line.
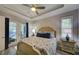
41, 44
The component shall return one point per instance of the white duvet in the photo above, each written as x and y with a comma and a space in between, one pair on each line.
48, 44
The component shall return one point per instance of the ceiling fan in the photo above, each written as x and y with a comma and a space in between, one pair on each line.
35, 7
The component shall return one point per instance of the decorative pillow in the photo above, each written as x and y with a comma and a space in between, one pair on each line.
44, 35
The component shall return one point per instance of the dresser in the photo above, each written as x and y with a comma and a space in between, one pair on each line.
68, 46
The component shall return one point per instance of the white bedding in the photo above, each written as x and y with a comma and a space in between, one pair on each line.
48, 44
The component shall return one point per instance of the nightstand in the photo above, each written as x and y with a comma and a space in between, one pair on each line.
68, 46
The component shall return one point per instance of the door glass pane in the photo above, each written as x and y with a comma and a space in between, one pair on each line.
12, 31
23, 30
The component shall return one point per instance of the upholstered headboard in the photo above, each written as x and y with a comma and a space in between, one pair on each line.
47, 29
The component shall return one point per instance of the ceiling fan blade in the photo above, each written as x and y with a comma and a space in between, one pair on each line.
27, 5
37, 12
40, 7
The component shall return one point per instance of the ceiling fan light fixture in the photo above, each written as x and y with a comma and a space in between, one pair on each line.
33, 9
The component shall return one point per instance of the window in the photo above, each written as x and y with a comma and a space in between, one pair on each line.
66, 26
23, 30
12, 31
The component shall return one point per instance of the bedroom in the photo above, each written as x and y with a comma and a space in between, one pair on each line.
46, 22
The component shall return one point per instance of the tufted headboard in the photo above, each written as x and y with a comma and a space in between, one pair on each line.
47, 29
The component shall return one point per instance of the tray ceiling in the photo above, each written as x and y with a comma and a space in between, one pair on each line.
26, 12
